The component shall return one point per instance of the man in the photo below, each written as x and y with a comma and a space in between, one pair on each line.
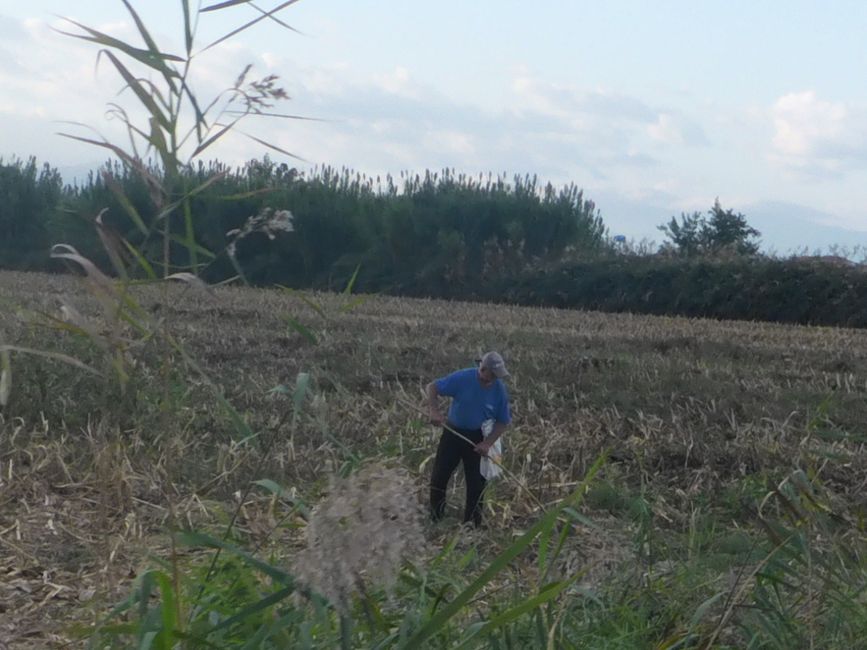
478, 394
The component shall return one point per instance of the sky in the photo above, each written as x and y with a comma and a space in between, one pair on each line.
654, 109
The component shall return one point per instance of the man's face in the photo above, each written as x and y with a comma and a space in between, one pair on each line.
486, 376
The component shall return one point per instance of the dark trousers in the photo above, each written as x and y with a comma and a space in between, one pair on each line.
451, 451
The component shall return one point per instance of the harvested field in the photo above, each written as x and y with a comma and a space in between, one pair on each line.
700, 423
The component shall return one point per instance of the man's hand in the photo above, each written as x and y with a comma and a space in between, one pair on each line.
436, 417
483, 447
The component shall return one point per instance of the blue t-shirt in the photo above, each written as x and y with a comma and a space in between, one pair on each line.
472, 403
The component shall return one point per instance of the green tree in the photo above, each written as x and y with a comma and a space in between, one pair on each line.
685, 237
723, 231
30, 196
730, 231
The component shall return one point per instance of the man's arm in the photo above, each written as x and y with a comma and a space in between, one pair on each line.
436, 415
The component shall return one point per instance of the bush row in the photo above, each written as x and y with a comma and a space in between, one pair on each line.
762, 289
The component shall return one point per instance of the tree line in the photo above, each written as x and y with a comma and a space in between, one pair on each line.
442, 227
439, 234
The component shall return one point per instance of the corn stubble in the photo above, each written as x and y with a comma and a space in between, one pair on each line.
729, 509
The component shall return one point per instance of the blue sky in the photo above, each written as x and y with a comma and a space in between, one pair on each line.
653, 108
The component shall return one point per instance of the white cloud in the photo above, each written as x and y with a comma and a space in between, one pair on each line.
452, 142
270, 60
533, 96
10, 29
626, 127
577, 103
818, 137
397, 82
672, 129
803, 122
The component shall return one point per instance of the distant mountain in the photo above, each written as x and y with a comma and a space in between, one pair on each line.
788, 227
785, 227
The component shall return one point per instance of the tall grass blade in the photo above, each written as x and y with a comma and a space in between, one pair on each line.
188, 27
67, 252
143, 95
225, 5
255, 608
78, 328
436, 623
192, 280
200, 250
274, 147
142, 261
285, 116
302, 330
239, 423
190, 237
143, 56
157, 141
111, 242
207, 143
547, 564
56, 356
275, 19
146, 587
152, 45
245, 26
352, 304
169, 611
201, 123
191, 538
125, 203
544, 541
233, 3
734, 596
702, 610
246, 195
134, 163
171, 207
548, 593
284, 494
307, 301
255, 642
348, 289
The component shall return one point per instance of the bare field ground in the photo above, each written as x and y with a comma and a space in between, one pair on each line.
699, 420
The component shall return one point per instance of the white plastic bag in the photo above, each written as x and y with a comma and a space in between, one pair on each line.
490, 464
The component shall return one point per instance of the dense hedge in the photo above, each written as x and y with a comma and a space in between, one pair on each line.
785, 291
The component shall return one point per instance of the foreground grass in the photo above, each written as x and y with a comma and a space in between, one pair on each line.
728, 513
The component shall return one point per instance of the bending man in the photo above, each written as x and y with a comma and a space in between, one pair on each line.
478, 394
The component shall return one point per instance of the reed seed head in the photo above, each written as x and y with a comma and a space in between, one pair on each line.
361, 533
